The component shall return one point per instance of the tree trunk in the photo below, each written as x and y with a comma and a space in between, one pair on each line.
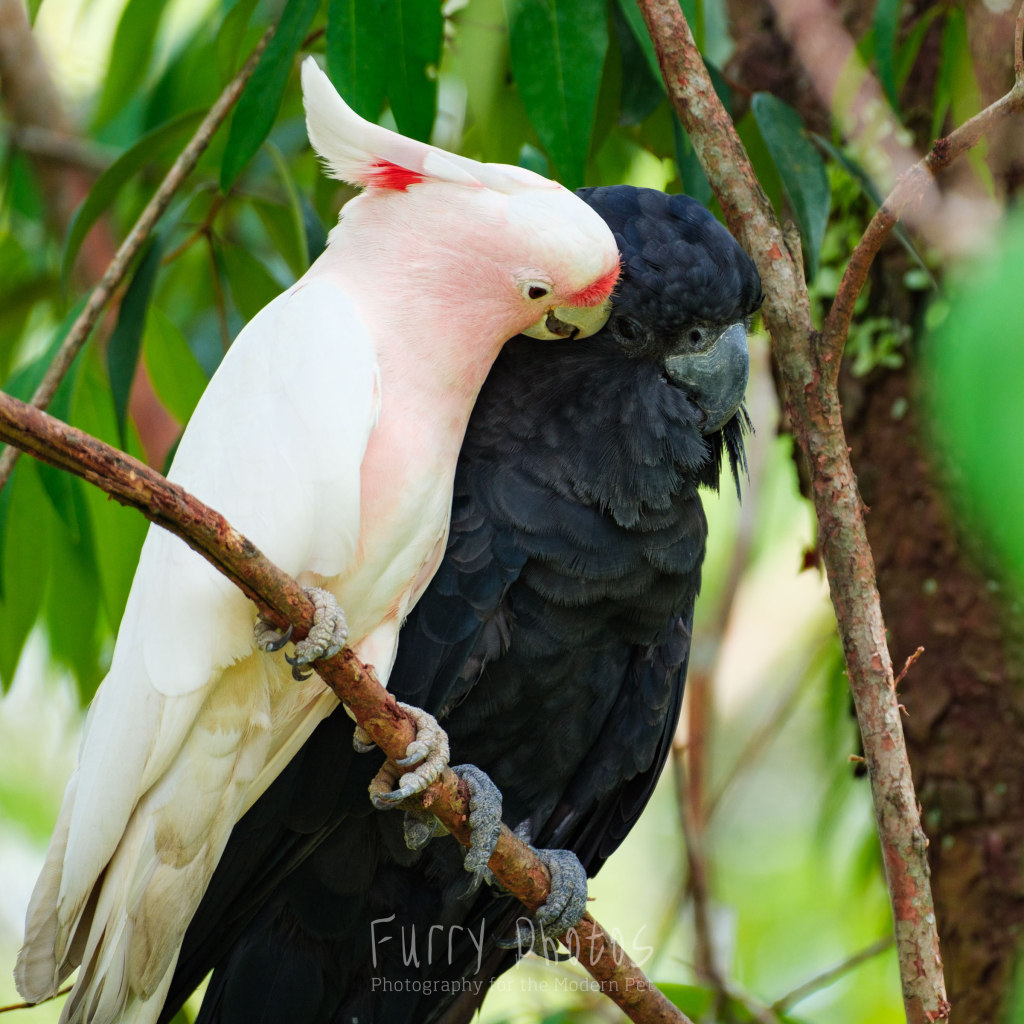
965, 702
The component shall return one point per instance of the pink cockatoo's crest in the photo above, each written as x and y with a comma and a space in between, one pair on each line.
362, 153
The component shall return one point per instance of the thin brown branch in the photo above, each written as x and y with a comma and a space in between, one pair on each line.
812, 404
281, 600
826, 978
313, 37
28, 1006
705, 960
906, 668
909, 190
98, 298
68, 149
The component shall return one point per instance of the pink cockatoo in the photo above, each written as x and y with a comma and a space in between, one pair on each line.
328, 436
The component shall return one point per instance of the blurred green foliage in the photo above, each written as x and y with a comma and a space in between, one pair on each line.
976, 394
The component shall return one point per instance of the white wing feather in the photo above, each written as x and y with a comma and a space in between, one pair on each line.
186, 718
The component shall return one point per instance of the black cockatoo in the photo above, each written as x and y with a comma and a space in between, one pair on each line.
552, 644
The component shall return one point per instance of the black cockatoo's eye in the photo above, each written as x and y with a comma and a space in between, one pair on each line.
628, 331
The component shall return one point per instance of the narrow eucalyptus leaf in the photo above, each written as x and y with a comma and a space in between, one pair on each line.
887, 25
356, 54
412, 34
800, 167
558, 49
252, 285
129, 56
230, 36
126, 339
261, 99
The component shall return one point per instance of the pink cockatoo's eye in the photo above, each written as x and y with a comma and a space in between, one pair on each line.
537, 291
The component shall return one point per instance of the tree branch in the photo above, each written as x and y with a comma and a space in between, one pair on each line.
813, 407
281, 600
63, 147
909, 190
826, 978
154, 210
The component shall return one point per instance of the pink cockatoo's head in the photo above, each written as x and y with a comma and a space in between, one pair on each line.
495, 249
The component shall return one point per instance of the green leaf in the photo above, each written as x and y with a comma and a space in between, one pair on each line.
230, 36
33, 10
261, 99
800, 167
177, 377
26, 563
117, 532
413, 30
295, 204
252, 285
871, 190
760, 159
887, 25
116, 176
695, 181
126, 339
641, 90
533, 159
356, 55
558, 49
22, 385
631, 11
73, 598
912, 46
129, 57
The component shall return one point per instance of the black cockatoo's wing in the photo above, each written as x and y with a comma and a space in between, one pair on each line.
456, 628
614, 783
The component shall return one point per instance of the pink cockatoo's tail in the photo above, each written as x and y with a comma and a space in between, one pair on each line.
329, 436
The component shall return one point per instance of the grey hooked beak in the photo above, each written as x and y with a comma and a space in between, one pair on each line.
569, 321
716, 378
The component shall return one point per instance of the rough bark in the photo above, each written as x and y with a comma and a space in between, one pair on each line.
812, 404
965, 730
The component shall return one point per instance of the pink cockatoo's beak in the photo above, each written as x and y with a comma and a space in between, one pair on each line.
586, 316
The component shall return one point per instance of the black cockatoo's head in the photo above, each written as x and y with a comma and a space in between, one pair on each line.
684, 296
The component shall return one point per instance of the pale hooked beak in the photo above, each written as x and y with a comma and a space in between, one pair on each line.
570, 321
715, 378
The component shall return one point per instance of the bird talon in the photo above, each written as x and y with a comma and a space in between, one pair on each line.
414, 753
484, 821
429, 752
362, 742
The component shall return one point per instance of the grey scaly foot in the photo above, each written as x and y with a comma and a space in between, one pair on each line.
566, 904
326, 638
428, 752
484, 823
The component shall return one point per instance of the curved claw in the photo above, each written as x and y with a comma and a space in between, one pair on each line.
429, 752
414, 753
275, 645
296, 664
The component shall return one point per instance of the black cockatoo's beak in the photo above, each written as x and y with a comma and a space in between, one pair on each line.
716, 376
